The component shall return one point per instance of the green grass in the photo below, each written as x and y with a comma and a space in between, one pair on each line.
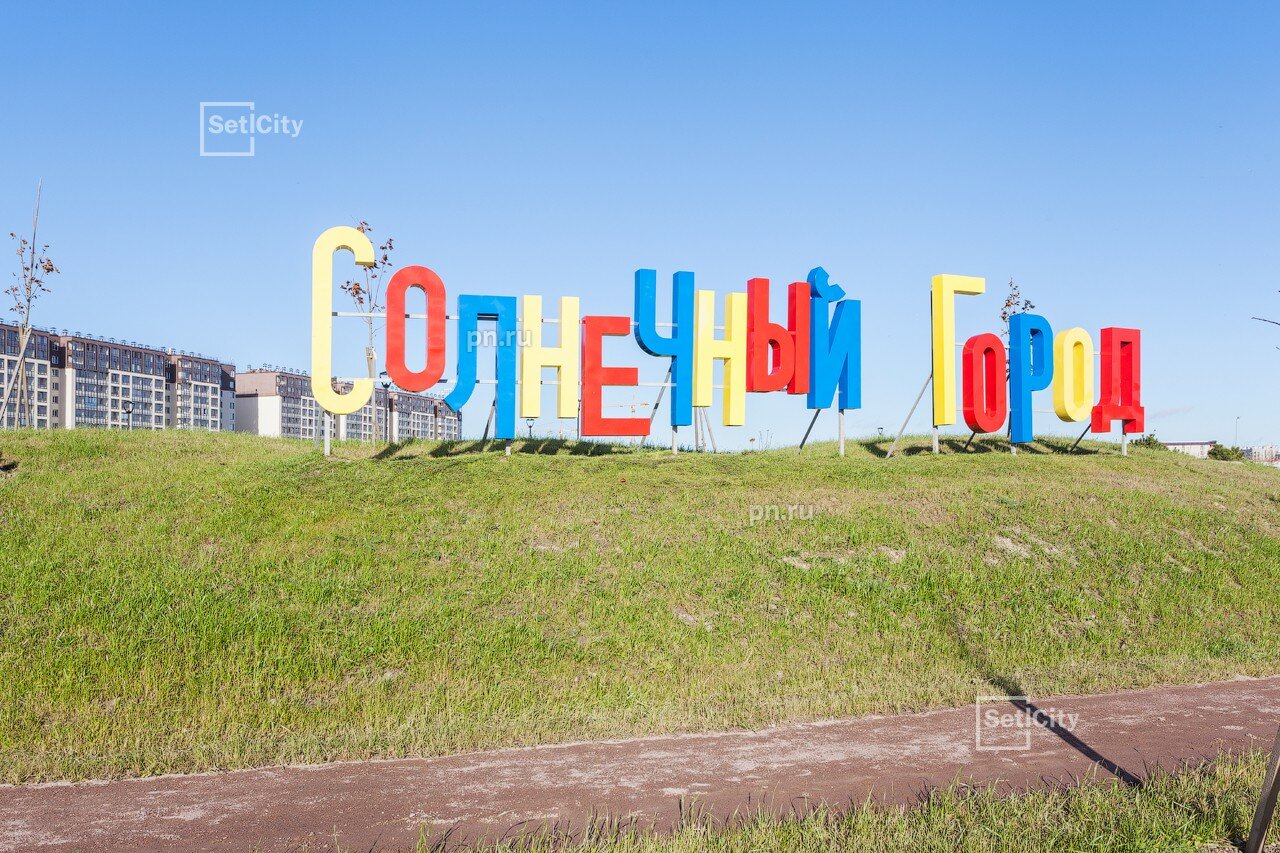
1208, 808
182, 602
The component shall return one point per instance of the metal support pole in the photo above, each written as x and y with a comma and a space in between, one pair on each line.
1266, 801
706, 426
674, 446
1080, 439
907, 420
661, 391
484, 439
816, 412
1124, 442
328, 429
970, 441
935, 441
840, 430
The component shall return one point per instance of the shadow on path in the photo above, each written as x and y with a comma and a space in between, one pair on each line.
978, 659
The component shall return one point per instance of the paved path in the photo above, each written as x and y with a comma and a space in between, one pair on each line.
382, 805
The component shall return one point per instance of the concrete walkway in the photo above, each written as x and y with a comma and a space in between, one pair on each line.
383, 805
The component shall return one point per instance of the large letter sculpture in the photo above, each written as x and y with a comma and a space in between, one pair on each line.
732, 350
339, 237
563, 357
986, 404
777, 356
1073, 375
595, 375
945, 287
471, 310
835, 345
1121, 397
818, 353
1030, 369
433, 288
679, 345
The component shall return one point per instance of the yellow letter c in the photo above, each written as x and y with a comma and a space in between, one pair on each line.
340, 237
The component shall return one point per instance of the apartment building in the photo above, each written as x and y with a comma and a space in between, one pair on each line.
416, 416
83, 381
1198, 449
43, 359
1267, 454
111, 384
366, 423
201, 393
278, 403
227, 400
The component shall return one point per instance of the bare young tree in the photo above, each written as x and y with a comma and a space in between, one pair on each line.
35, 267
367, 293
1014, 303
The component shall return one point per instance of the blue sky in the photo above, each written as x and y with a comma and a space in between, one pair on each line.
1121, 163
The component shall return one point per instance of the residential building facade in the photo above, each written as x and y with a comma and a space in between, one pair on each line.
279, 404
1198, 449
1267, 454
228, 397
199, 390
276, 404
77, 381
43, 357
112, 384
81, 381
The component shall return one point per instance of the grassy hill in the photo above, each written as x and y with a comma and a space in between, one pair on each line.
180, 602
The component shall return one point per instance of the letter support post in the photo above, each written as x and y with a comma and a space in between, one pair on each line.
907, 419
1266, 802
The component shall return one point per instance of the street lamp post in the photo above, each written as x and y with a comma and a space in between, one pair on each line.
386, 394
1237, 441
529, 423
127, 408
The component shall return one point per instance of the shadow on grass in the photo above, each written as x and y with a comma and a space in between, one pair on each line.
977, 658
957, 445
392, 450
556, 446
532, 447
1068, 445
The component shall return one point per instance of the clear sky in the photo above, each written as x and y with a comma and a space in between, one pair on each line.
1119, 160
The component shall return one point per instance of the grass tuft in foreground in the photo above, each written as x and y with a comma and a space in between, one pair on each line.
1209, 808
